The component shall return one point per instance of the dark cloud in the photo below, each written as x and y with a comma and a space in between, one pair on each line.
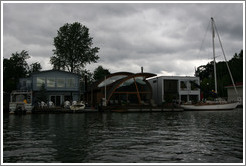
164, 38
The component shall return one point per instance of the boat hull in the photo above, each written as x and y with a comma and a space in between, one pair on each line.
227, 106
78, 107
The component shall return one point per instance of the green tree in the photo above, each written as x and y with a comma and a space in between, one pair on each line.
73, 48
14, 68
42, 95
88, 75
100, 73
205, 72
35, 67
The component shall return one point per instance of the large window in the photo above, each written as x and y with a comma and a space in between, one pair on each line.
70, 83
183, 85
60, 82
142, 85
40, 81
51, 82
194, 85
127, 86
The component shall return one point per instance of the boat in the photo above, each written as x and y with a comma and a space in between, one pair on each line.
20, 102
218, 104
77, 106
210, 106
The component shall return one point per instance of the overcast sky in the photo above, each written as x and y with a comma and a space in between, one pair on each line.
164, 38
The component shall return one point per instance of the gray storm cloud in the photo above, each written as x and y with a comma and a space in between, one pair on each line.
164, 38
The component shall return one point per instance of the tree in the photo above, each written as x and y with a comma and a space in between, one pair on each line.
73, 48
205, 72
86, 75
42, 95
35, 67
14, 68
100, 73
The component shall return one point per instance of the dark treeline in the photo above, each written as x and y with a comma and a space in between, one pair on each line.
206, 74
16, 67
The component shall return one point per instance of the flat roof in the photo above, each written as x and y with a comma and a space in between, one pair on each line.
175, 77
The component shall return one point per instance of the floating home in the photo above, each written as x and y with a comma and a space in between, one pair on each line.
175, 89
59, 86
121, 89
137, 91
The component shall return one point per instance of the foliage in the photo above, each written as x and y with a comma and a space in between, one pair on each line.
86, 79
14, 68
206, 74
35, 67
42, 95
100, 73
73, 48
17, 67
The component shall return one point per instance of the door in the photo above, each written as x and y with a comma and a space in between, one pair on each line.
53, 99
58, 100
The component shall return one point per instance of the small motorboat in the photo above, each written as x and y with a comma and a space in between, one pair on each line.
76, 106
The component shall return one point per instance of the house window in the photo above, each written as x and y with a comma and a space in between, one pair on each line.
60, 82
183, 85
40, 81
70, 83
194, 85
51, 82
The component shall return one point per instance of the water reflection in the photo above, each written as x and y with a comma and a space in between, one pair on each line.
200, 137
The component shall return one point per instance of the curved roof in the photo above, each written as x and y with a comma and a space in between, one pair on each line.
119, 74
120, 81
116, 77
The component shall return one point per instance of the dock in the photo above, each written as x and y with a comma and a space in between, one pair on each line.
58, 110
143, 109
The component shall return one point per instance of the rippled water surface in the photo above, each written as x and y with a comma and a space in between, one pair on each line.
174, 137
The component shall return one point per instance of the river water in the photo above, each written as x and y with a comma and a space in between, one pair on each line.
158, 137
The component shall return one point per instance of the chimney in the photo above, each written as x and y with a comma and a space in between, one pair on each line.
142, 69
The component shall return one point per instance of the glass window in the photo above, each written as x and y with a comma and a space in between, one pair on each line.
140, 80
70, 83
194, 85
183, 85
127, 86
51, 82
142, 85
60, 82
40, 81
127, 82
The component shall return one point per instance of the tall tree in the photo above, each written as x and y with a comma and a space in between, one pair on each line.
100, 72
35, 67
73, 48
14, 68
42, 95
205, 72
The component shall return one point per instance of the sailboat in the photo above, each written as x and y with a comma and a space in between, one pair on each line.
218, 104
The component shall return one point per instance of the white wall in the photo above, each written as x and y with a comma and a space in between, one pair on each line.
157, 84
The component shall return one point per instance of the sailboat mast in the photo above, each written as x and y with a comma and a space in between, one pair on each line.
225, 59
215, 75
